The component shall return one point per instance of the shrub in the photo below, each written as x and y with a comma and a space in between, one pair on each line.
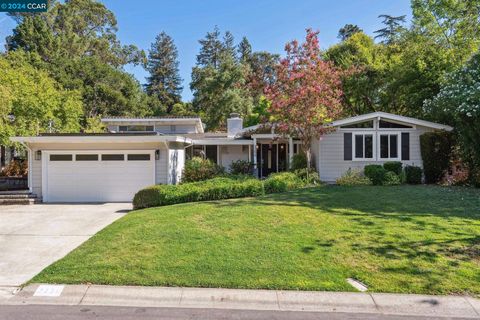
15, 168
213, 189
308, 176
282, 181
241, 167
413, 174
391, 179
198, 169
436, 149
299, 161
353, 178
376, 173
393, 166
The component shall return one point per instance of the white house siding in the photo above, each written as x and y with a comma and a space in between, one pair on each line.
231, 153
176, 163
331, 165
36, 168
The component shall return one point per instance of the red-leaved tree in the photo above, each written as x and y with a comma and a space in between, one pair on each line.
307, 92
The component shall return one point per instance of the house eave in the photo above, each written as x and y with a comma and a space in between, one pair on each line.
100, 139
389, 116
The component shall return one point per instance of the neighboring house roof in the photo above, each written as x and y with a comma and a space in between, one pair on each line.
390, 116
167, 119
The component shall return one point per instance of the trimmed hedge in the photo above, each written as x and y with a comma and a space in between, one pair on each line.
376, 173
436, 149
282, 182
393, 166
213, 189
413, 175
391, 179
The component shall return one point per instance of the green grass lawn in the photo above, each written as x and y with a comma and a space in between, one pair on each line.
416, 239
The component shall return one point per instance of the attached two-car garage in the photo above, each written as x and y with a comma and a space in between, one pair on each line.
96, 176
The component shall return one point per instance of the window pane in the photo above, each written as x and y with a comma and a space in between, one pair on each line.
61, 157
368, 146
211, 153
113, 157
384, 146
366, 124
386, 124
359, 146
138, 157
86, 157
393, 146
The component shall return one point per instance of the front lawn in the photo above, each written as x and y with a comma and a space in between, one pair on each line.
416, 239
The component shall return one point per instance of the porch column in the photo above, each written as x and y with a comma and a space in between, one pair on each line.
255, 169
290, 151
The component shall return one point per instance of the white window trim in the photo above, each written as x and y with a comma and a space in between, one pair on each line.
399, 145
413, 126
374, 148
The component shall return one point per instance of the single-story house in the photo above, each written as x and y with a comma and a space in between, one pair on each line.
137, 152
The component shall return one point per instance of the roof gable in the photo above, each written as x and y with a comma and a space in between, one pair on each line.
390, 116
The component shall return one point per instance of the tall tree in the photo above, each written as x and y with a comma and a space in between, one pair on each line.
347, 31
210, 50
392, 30
76, 43
453, 24
30, 100
73, 29
307, 92
218, 81
164, 81
244, 50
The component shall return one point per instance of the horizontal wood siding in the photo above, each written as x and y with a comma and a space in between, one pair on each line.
331, 163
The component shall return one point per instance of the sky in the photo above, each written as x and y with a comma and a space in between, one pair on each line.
268, 24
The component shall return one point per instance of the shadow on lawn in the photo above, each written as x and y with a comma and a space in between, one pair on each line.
364, 206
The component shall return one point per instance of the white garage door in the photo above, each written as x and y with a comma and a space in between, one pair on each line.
95, 176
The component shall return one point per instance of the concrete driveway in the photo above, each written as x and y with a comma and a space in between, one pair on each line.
33, 237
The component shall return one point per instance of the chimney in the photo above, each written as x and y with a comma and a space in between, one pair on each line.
234, 125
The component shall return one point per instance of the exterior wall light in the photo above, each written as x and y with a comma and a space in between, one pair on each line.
157, 154
38, 155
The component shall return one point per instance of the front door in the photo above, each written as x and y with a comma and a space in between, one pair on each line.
271, 158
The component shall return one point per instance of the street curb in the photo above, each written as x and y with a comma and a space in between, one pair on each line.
244, 299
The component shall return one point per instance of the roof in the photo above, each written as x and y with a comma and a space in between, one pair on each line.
101, 138
99, 134
390, 116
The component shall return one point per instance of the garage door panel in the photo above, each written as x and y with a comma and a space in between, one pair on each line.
97, 181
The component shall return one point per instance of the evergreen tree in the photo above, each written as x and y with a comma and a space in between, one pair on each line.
211, 48
164, 81
229, 45
244, 50
347, 31
393, 27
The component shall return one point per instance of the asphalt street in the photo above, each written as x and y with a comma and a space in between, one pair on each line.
55, 312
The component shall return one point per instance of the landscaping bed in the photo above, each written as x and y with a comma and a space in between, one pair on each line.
410, 239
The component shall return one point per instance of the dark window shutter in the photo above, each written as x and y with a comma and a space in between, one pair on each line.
347, 146
405, 146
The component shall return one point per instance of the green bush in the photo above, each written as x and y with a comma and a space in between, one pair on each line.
282, 181
241, 167
376, 173
391, 179
299, 161
353, 178
436, 149
413, 175
198, 169
393, 166
213, 189
308, 176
